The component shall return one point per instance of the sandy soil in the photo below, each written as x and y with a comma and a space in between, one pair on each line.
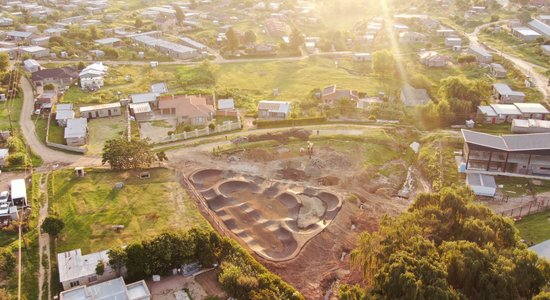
169, 287
367, 196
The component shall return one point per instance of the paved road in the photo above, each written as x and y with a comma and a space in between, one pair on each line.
527, 68
49, 156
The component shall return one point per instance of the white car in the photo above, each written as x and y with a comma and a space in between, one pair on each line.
4, 196
4, 208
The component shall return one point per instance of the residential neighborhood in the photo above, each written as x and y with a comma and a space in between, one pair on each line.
297, 149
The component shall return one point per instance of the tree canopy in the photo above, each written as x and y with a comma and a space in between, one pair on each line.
232, 39
447, 247
296, 39
383, 62
4, 61
52, 225
122, 154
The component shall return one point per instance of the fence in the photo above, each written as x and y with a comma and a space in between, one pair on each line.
61, 146
539, 205
229, 126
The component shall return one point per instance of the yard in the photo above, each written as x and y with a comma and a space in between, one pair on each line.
535, 228
91, 205
101, 130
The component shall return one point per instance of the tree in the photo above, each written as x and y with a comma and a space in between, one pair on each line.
180, 16
161, 156
100, 267
447, 247
93, 32
494, 18
353, 292
49, 87
4, 61
56, 41
5, 295
138, 23
249, 37
117, 258
383, 62
296, 39
524, 16
7, 261
122, 154
232, 39
52, 226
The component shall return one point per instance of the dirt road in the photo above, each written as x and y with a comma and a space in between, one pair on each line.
49, 156
528, 69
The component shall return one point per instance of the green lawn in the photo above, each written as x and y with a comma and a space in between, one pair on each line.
515, 186
91, 205
101, 130
535, 228
15, 112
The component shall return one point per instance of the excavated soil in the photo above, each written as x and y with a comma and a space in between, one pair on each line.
274, 219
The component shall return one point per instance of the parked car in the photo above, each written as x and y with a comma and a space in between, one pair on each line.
4, 196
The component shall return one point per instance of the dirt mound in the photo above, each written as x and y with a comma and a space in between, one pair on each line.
292, 174
328, 180
337, 160
259, 155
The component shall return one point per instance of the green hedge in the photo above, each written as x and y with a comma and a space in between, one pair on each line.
290, 122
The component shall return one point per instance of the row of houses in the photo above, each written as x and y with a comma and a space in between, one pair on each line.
506, 113
177, 51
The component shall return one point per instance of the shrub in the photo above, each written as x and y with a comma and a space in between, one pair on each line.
290, 122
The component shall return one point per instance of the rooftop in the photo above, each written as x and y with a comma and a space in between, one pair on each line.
274, 106
506, 109
114, 289
512, 142
76, 128
531, 108
100, 106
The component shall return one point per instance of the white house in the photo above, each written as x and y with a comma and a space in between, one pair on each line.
453, 41
91, 77
113, 289
482, 55
363, 57
4, 153
31, 65
226, 104
273, 109
76, 132
101, 110
76, 269
35, 51
482, 185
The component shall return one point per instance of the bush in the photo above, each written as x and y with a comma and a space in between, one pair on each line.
211, 126
19, 159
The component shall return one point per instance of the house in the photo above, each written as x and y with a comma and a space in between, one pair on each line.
482, 185
504, 94
226, 104
173, 50
433, 59
364, 103
540, 27
532, 110
35, 51
276, 27
150, 98
482, 55
101, 111
4, 153
44, 98
453, 41
509, 155
273, 109
42, 41
19, 36
330, 95
6, 22
486, 114
544, 19
111, 42
31, 65
545, 49
76, 134
530, 126
412, 37
525, 34
61, 77
189, 109
542, 249
414, 97
193, 44
112, 289
506, 112
91, 77
159, 88
76, 269
362, 57
497, 70
445, 32
141, 111
63, 112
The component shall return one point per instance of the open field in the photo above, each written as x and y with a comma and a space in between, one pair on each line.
505, 42
101, 130
91, 205
15, 112
535, 228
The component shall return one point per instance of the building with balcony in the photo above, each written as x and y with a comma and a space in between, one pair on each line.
522, 155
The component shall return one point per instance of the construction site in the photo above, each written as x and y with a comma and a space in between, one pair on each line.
299, 201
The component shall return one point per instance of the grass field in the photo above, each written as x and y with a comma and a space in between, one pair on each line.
507, 43
91, 205
101, 130
535, 228
15, 113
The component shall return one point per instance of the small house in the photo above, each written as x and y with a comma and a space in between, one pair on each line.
273, 109
193, 44
226, 104
532, 110
453, 41
506, 112
497, 70
141, 111
35, 51
545, 49
483, 56
19, 36
504, 94
525, 34
112, 289
76, 133
530, 126
330, 95
433, 59
61, 117
62, 77
362, 57
101, 110
77, 270
482, 185
159, 88
487, 114
411, 96
412, 37
47, 97
150, 98
189, 109
31, 65
111, 42
540, 27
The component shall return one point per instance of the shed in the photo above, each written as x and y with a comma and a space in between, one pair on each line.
482, 185
542, 249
